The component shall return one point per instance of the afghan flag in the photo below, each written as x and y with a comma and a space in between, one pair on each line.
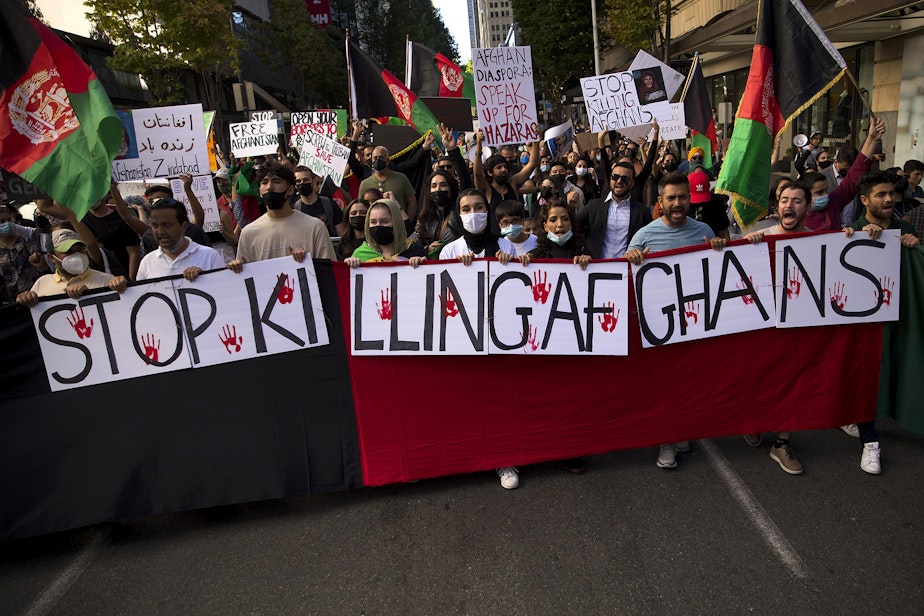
698, 112
793, 64
430, 73
375, 93
58, 129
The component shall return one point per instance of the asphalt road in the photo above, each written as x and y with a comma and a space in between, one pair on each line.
726, 533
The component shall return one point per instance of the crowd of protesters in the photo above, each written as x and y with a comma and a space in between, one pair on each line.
621, 199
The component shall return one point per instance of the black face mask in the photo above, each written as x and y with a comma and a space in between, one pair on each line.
546, 192
670, 166
274, 200
305, 189
379, 165
358, 222
383, 236
501, 179
824, 164
440, 197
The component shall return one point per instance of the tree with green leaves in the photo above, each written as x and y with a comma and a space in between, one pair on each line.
313, 57
561, 37
640, 24
160, 39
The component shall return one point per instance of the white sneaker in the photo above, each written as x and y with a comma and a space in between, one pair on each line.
667, 456
851, 430
509, 477
869, 461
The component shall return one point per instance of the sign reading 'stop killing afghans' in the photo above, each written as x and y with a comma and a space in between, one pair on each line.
504, 95
612, 102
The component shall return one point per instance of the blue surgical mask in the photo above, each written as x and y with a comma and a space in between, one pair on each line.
820, 203
524, 159
6, 229
561, 240
544, 168
512, 231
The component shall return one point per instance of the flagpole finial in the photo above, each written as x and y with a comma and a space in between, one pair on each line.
347, 32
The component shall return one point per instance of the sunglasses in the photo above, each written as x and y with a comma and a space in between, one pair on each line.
621, 178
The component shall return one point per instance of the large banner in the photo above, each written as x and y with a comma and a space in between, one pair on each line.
169, 141
271, 307
831, 279
704, 294
254, 138
323, 155
505, 96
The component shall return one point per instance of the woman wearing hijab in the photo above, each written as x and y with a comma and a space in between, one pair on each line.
477, 233
436, 206
385, 240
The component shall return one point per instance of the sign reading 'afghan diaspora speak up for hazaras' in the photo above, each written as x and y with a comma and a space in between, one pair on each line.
504, 95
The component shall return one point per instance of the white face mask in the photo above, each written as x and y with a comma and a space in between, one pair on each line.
475, 223
580, 171
75, 264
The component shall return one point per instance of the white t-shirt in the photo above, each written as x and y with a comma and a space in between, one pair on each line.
458, 247
157, 264
526, 245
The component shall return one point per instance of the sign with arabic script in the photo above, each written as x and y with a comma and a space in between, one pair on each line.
169, 140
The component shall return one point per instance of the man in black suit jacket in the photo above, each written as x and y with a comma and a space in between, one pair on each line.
628, 216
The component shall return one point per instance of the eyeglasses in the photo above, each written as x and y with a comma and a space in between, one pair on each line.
621, 178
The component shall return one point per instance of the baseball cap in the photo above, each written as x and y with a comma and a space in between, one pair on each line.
64, 239
699, 187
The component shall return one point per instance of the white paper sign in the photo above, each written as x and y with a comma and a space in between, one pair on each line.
324, 156
321, 121
558, 309
254, 138
704, 294
830, 279
205, 193
436, 309
612, 102
504, 95
672, 79
272, 307
170, 141
672, 119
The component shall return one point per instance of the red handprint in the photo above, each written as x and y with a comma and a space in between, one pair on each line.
287, 291
747, 299
888, 286
541, 287
533, 338
384, 309
691, 311
609, 320
77, 320
837, 295
449, 304
151, 347
229, 338
795, 283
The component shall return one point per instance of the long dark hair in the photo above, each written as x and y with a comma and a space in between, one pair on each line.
428, 209
348, 240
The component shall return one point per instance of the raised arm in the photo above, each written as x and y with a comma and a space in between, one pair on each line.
530, 165
196, 207
481, 182
137, 225
46, 206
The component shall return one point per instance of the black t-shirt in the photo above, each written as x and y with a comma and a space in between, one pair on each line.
316, 209
113, 233
193, 232
713, 213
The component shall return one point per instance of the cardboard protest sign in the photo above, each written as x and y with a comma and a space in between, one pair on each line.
704, 294
324, 156
504, 95
170, 141
558, 139
322, 121
254, 138
435, 309
831, 279
559, 309
671, 79
272, 307
671, 119
612, 102
205, 192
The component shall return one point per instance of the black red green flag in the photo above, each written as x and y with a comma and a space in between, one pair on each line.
58, 129
793, 63
375, 93
430, 73
698, 112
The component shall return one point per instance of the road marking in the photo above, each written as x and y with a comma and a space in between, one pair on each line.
58, 587
752, 507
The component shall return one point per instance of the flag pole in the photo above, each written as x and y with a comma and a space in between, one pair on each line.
407, 60
349, 78
686, 85
859, 90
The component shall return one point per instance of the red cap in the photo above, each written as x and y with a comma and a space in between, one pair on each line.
699, 187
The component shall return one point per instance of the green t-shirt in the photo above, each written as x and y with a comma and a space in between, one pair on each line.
396, 182
901, 225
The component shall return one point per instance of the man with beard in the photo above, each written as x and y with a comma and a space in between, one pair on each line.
608, 224
493, 177
281, 231
674, 229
